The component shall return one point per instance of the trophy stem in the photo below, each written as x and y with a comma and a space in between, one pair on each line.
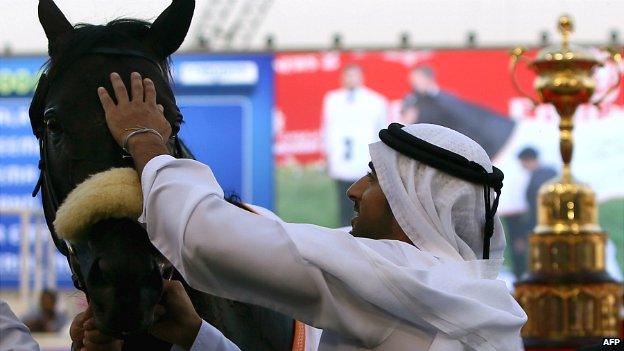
566, 144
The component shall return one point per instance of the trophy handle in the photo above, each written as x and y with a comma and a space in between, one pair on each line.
616, 57
517, 55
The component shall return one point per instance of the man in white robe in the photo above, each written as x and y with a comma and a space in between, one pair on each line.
409, 278
345, 146
14, 335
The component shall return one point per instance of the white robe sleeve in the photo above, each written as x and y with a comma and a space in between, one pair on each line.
229, 252
14, 335
209, 338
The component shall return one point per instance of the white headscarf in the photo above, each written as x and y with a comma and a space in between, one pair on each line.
440, 213
445, 216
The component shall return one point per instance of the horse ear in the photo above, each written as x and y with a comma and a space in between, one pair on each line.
169, 29
52, 20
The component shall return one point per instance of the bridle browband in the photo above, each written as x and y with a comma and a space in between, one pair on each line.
451, 163
44, 183
126, 52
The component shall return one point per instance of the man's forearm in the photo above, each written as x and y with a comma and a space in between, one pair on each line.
145, 147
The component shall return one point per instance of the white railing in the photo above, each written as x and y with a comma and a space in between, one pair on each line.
44, 264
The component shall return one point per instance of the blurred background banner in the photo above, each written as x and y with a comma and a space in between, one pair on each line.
307, 77
468, 90
28, 258
478, 94
227, 103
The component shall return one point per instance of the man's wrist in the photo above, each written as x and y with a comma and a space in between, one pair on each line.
143, 148
190, 333
145, 141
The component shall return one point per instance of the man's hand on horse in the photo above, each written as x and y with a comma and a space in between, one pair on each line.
86, 337
177, 321
136, 122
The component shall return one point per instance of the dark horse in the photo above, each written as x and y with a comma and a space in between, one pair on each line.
117, 267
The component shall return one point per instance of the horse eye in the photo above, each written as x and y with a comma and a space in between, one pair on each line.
53, 125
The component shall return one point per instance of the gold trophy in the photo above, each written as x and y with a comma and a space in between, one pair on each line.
568, 296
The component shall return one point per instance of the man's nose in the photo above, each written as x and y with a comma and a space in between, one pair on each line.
355, 190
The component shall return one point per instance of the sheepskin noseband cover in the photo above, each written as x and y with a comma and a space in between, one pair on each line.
115, 193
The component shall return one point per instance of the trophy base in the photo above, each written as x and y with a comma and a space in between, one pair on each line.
561, 313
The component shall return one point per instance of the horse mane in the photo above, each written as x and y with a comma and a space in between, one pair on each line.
126, 33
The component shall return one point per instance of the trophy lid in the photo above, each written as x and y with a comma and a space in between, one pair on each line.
565, 54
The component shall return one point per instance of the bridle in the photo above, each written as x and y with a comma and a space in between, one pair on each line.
76, 253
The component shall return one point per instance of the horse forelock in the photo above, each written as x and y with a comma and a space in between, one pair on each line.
124, 34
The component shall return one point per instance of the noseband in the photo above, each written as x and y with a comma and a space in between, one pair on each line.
76, 253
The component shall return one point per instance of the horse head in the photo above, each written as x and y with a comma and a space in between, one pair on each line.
115, 265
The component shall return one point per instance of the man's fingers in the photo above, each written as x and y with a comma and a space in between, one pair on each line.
105, 99
136, 84
97, 337
161, 108
90, 346
120, 89
81, 317
150, 91
88, 312
159, 310
172, 284
167, 284
173, 288
89, 324
76, 330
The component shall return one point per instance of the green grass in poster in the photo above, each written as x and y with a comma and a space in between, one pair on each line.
306, 195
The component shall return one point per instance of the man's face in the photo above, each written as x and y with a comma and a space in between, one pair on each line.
373, 215
352, 78
529, 164
421, 83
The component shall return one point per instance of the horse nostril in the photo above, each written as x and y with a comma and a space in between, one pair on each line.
119, 317
99, 272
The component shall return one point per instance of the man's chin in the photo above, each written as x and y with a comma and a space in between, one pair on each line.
355, 228
355, 231
359, 229
360, 232
364, 236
